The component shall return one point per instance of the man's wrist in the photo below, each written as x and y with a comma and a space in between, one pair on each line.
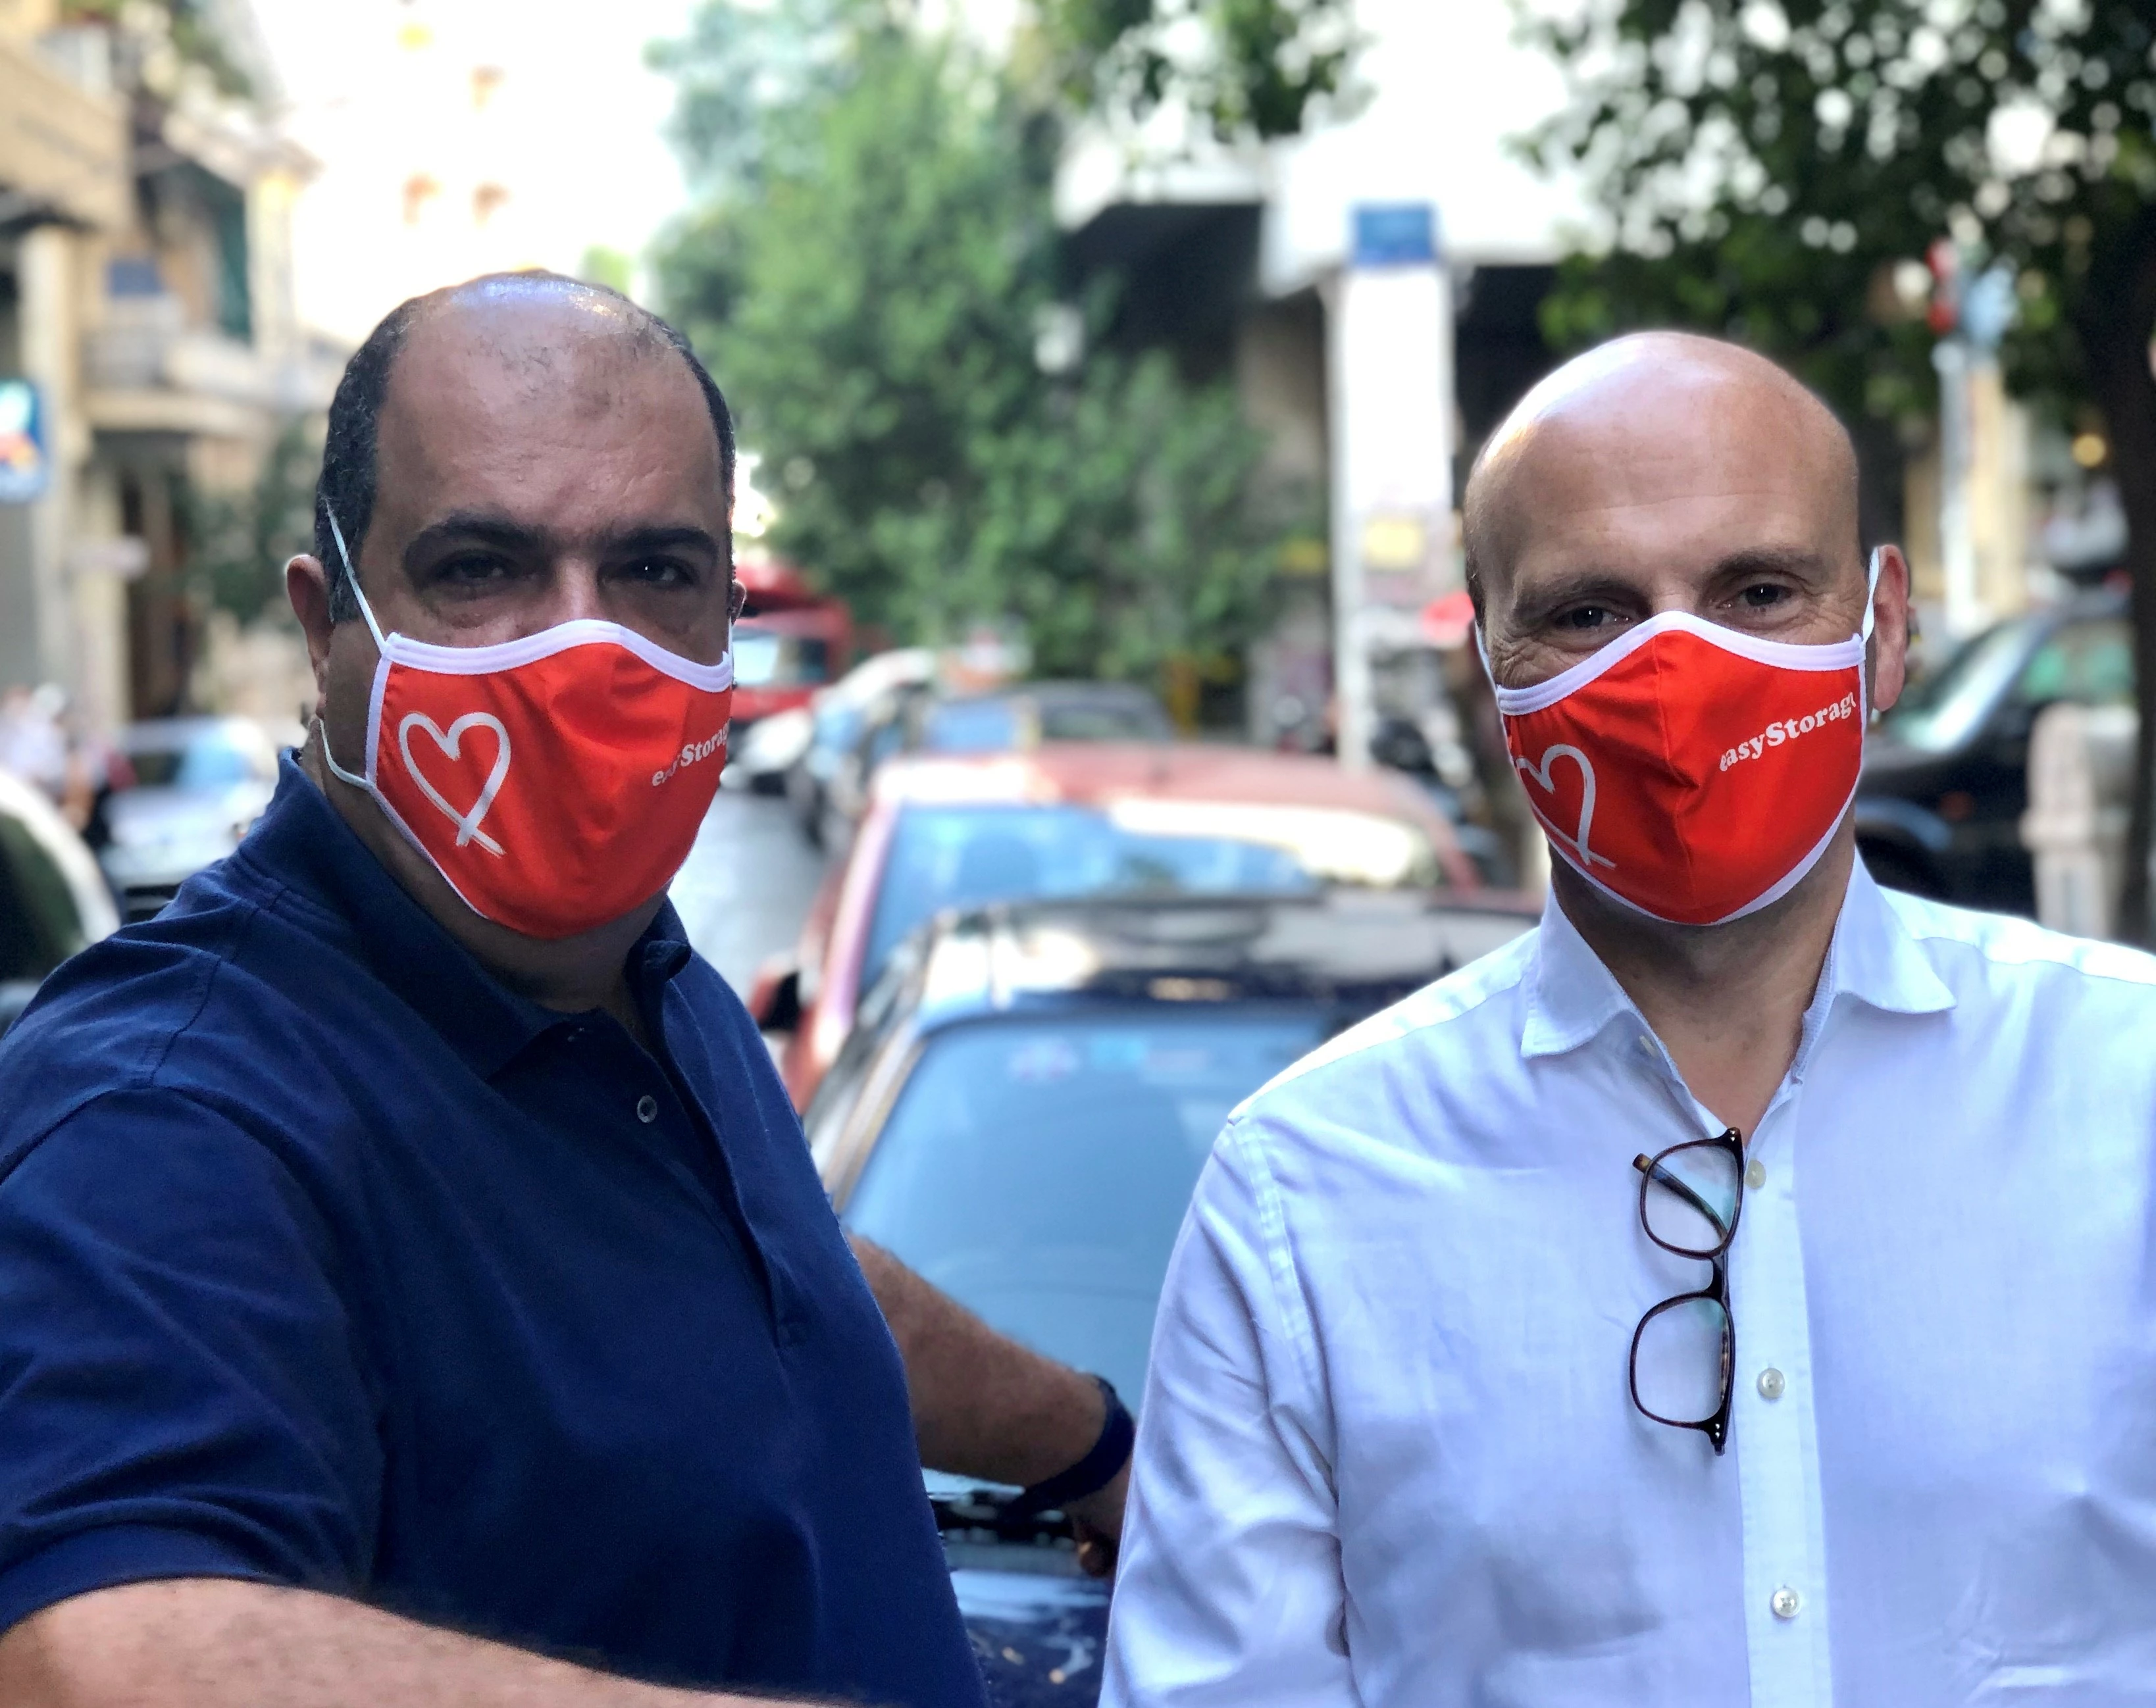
1100, 1465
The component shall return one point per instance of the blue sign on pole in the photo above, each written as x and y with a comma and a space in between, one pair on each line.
1395, 234
26, 461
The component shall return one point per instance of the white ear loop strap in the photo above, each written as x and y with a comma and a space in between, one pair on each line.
381, 646
351, 579
1872, 589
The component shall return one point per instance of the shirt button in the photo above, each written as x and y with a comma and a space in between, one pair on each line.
647, 1108
1771, 1383
1786, 1603
1755, 1177
1646, 1044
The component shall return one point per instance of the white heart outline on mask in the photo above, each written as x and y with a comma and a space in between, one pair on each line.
1565, 750
450, 741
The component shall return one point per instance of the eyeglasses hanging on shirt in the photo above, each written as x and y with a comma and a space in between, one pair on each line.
1684, 1352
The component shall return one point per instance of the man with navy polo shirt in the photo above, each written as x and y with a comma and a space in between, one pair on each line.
417, 1288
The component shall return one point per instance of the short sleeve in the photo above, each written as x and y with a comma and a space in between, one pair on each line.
1229, 1594
180, 1390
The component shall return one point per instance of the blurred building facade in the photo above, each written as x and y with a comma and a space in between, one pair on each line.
146, 299
1256, 263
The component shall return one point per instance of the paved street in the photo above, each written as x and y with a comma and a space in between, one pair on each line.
746, 884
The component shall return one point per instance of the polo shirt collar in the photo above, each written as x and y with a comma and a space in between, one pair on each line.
1872, 959
303, 844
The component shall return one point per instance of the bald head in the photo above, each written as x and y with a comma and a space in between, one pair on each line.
1659, 472
519, 334
1654, 415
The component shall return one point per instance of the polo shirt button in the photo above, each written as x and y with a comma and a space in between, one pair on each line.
1755, 1177
1786, 1603
647, 1108
1771, 1383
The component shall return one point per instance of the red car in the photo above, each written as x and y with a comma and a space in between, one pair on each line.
790, 642
1078, 819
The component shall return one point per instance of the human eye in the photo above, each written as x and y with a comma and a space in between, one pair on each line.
1763, 595
661, 572
473, 572
1585, 619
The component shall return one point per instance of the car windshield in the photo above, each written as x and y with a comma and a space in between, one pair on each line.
997, 724
965, 856
1102, 719
1036, 1168
2088, 661
970, 726
765, 660
1943, 710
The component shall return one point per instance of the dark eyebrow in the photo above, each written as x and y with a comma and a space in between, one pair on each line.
648, 541
474, 528
1593, 586
1599, 586
1774, 560
490, 528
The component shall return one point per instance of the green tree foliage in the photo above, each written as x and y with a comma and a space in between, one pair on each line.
602, 265
237, 542
871, 285
1768, 164
1252, 67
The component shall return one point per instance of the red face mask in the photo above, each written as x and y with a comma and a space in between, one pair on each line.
1690, 771
557, 781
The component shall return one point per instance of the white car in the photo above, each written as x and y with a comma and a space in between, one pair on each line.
200, 783
53, 902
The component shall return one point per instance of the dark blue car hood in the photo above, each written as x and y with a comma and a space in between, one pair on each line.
1041, 1636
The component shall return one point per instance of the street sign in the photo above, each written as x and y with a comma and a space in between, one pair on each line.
25, 457
1395, 235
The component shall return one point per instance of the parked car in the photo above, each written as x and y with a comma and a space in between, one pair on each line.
913, 714
53, 901
1073, 819
790, 642
1020, 1117
1019, 718
199, 784
1946, 779
827, 786
760, 756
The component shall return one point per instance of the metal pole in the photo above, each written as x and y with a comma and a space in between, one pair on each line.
1351, 652
1964, 614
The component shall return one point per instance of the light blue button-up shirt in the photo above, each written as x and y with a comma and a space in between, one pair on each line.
1388, 1457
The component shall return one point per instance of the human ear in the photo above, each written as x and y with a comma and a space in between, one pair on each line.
1889, 659
307, 586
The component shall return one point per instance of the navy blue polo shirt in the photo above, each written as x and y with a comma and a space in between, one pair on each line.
325, 1260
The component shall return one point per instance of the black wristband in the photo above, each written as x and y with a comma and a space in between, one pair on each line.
1108, 1455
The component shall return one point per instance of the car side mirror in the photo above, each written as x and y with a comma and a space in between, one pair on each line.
774, 999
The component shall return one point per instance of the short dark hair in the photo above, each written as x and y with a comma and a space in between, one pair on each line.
347, 484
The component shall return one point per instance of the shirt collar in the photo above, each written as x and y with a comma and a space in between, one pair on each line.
1876, 960
303, 844
1572, 996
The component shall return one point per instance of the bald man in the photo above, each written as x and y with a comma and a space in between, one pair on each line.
415, 1288
1739, 1289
